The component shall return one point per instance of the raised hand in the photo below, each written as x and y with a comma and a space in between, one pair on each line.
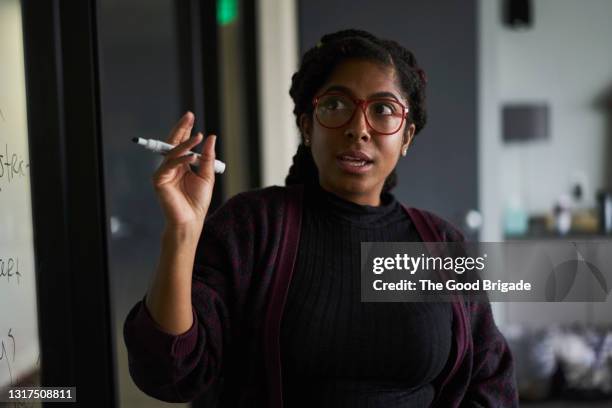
185, 194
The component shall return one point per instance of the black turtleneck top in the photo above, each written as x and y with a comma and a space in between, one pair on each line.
337, 351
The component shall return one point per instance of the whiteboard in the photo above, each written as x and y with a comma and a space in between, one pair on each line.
19, 342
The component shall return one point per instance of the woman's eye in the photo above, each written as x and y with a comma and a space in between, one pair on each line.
382, 108
334, 104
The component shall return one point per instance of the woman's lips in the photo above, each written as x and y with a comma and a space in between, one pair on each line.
354, 166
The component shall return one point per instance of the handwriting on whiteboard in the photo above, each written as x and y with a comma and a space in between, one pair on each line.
8, 355
7, 352
9, 270
12, 165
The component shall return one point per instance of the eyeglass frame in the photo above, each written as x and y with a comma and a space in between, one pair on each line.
363, 104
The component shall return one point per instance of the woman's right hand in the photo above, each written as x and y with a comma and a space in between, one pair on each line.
185, 194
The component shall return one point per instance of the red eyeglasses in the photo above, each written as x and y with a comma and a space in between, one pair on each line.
334, 110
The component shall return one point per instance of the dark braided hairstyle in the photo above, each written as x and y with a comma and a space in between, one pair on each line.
318, 64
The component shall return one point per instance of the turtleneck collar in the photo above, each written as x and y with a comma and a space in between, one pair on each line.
337, 207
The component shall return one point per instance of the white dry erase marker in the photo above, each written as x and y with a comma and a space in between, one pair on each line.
161, 147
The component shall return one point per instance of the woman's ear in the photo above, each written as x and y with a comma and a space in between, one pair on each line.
306, 128
408, 138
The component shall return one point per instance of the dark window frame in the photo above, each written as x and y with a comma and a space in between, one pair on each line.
68, 205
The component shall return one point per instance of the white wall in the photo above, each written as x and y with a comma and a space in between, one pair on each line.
489, 125
278, 60
565, 59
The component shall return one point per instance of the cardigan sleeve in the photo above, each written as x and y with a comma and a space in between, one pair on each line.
184, 367
157, 359
492, 380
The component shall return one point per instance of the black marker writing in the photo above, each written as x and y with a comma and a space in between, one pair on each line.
12, 165
9, 268
4, 355
13, 340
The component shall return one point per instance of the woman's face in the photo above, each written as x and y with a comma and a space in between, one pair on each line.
359, 79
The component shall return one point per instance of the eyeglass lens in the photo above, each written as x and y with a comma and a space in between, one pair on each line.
383, 115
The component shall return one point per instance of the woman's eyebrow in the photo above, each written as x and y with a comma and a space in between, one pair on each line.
346, 90
384, 95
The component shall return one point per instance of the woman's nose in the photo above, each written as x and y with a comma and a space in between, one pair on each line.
358, 126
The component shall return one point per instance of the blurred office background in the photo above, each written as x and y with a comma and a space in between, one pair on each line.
520, 121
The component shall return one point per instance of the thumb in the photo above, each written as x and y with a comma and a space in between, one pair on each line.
206, 170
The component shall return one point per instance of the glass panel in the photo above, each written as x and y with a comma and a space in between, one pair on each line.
235, 124
140, 94
19, 342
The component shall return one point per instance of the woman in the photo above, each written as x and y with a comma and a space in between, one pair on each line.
259, 305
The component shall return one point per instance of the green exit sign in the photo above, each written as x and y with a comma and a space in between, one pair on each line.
227, 11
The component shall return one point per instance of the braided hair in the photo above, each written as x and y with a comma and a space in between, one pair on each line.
318, 64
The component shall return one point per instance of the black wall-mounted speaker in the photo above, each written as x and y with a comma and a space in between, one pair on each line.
525, 122
518, 13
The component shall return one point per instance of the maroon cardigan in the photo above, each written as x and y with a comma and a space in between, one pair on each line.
243, 268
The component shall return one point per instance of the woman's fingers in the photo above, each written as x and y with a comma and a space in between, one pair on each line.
206, 168
184, 147
172, 164
181, 131
189, 158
